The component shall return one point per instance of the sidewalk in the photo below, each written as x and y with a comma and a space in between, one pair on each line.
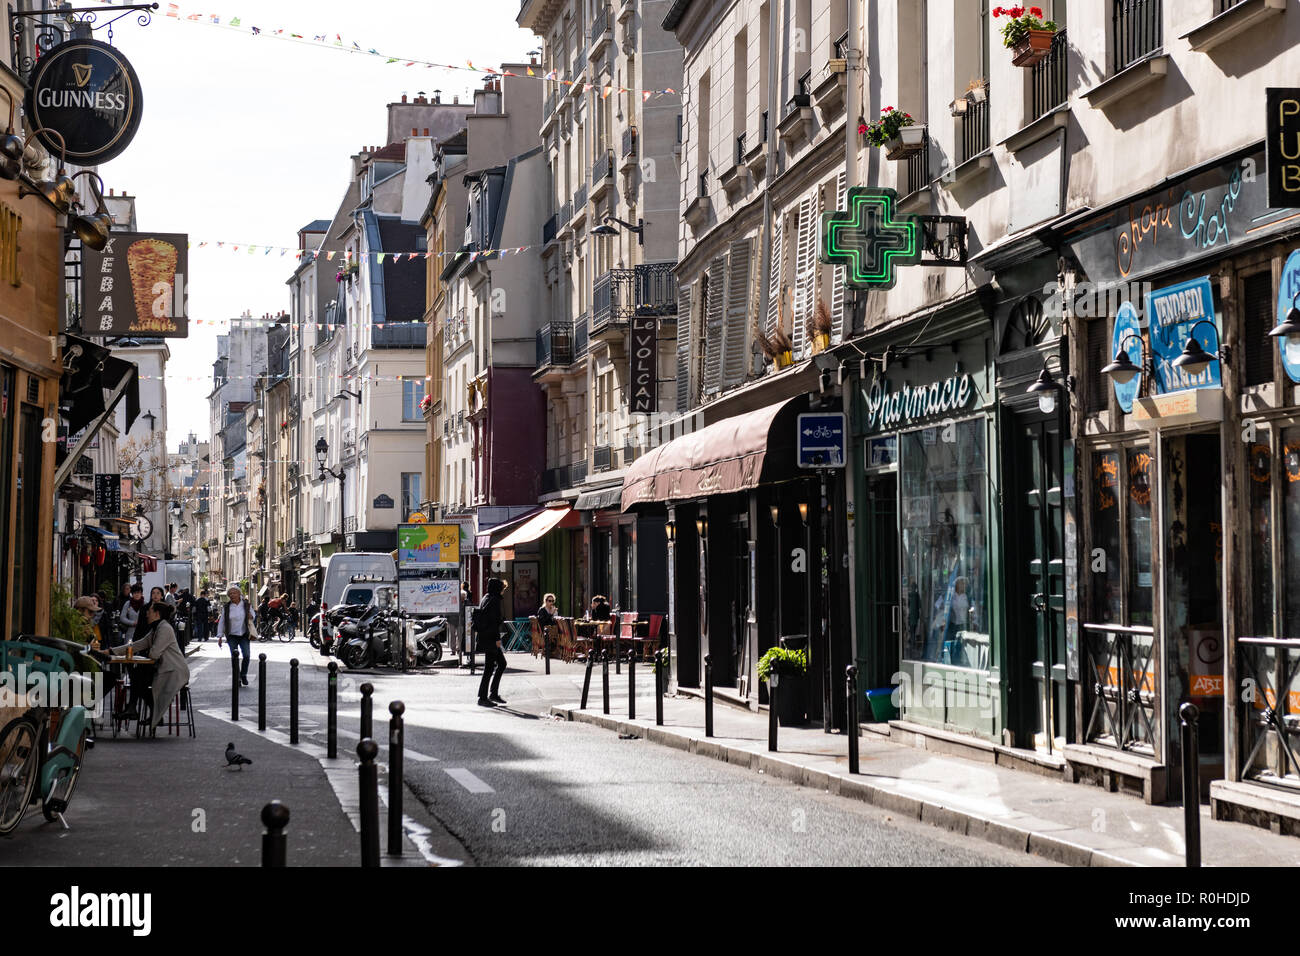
1075, 824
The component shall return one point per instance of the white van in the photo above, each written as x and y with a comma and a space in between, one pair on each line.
373, 568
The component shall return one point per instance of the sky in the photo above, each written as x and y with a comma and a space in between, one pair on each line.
245, 139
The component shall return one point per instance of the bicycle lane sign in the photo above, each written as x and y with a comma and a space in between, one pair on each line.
821, 440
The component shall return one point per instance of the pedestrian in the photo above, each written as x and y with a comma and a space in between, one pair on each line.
237, 622
170, 597
158, 643
487, 628
199, 615
131, 611
88, 605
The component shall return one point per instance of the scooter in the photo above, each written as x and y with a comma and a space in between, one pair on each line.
429, 638
369, 640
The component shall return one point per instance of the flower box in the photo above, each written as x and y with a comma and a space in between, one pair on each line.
1036, 45
910, 140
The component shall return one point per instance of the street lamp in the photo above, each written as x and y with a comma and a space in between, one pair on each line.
606, 229
1195, 359
1121, 368
1046, 386
1289, 330
322, 449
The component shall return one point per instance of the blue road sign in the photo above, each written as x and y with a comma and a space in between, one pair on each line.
821, 440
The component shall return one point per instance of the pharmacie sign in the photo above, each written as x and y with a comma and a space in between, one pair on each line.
86, 92
890, 409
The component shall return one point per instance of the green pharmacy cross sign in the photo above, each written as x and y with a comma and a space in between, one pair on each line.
871, 239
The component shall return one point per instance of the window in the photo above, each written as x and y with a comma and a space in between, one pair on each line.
412, 393
943, 477
410, 492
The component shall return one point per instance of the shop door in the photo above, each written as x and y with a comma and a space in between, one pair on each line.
1040, 599
882, 571
740, 597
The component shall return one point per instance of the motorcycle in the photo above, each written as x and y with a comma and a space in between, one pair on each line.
369, 640
330, 622
429, 638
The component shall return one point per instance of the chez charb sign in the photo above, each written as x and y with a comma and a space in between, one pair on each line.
88, 93
905, 406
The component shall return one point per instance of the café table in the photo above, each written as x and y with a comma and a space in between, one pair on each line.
118, 713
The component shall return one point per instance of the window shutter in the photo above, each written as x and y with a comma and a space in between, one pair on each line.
837, 272
735, 349
776, 269
683, 348
805, 270
713, 325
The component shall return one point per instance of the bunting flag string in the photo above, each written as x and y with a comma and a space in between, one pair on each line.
336, 42
347, 257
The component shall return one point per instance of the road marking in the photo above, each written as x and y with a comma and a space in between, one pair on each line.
407, 752
467, 780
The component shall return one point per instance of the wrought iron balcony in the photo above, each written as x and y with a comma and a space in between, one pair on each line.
579, 201
548, 104
550, 227
975, 128
565, 214
1135, 30
603, 167
1048, 81
618, 293
555, 345
600, 24
602, 458
581, 334
629, 141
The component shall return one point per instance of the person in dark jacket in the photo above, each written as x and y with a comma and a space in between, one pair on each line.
487, 632
199, 614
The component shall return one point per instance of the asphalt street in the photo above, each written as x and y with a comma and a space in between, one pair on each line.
514, 786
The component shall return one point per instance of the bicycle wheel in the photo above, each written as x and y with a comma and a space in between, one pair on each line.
57, 800
285, 632
19, 765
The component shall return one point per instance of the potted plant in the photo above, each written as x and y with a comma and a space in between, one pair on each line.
1026, 34
819, 327
896, 132
783, 669
777, 347
977, 90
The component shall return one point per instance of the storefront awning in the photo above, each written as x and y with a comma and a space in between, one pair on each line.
111, 541
725, 457
90, 371
492, 537
534, 527
308, 575
599, 500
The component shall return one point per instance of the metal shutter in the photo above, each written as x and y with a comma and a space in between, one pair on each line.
683, 348
776, 270
1257, 312
837, 272
1098, 346
735, 347
805, 270
713, 325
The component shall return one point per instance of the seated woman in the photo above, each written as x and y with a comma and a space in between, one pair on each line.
548, 612
600, 609
158, 643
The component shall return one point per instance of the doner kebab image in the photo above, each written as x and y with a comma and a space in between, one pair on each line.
152, 262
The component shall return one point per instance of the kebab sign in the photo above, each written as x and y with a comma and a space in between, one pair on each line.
135, 286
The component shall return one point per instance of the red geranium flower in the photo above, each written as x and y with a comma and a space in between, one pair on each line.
1036, 11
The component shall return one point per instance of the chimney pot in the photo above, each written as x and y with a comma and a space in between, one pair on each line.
426, 131
403, 97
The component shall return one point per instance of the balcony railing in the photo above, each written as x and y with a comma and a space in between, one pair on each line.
555, 344
565, 476
918, 169
550, 227
565, 214
1272, 718
580, 199
975, 128
581, 334
629, 141
618, 293
399, 335
1048, 82
1125, 701
1223, 6
740, 149
599, 24
603, 167
548, 105
1135, 30
602, 458
842, 46
602, 301
802, 96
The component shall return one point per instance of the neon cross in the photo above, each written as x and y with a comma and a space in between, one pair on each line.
869, 239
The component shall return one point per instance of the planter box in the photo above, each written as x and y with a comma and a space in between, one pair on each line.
783, 360
1033, 48
910, 140
791, 700
820, 342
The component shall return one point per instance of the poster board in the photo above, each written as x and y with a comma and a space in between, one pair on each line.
428, 568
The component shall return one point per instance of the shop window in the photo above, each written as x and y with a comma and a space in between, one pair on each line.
1291, 555
1139, 535
1257, 313
1260, 465
1107, 604
945, 544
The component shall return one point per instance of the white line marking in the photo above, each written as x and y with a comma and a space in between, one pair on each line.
467, 780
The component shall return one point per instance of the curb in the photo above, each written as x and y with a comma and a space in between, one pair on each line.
1004, 833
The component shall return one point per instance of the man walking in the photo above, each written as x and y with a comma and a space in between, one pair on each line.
487, 628
200, 616
237, 621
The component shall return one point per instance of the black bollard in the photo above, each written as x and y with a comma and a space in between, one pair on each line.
234, 687
546, 647
261, 692
367, 710
659, 687
1189, 715
293, 701
851, 689
367, 750
395, 734
275, 817
708, 695
332, 713
604, 678
773, 678
631, 687
586, 681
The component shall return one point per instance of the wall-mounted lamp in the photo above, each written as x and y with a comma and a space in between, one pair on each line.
59, 190
776, 515
671, 530
1121, 368
1195, 359
1289, 330
1046, 386
702, 527
92, 229
606, 229
803, 511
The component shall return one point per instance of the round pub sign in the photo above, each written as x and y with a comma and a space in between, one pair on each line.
88, 93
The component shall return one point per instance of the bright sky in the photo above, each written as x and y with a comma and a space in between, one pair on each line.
246, 139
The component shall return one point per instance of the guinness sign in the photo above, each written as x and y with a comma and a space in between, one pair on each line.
88, 93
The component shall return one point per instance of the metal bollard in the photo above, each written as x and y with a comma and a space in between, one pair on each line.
261, 692
293, 701
851, 689
773, 724
546, 647
631, 687
367, 710
367, 750
1189, 715
604, 677
234, 687
275, 817
332, 713
396, 732
660, 664
708, 695
586, 681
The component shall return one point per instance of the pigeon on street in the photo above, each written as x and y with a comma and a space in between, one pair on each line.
235, 760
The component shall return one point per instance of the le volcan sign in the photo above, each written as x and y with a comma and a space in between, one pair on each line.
88, 93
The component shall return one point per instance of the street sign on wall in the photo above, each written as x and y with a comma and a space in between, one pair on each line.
821, 440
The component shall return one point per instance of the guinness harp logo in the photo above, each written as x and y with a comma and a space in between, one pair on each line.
81, 73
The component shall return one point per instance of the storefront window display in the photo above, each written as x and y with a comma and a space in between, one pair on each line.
943, 479
1107, 603
1261, 537
1139, 535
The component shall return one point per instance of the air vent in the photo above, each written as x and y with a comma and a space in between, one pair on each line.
33, 389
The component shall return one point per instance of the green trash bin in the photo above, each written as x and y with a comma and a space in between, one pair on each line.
881, 702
